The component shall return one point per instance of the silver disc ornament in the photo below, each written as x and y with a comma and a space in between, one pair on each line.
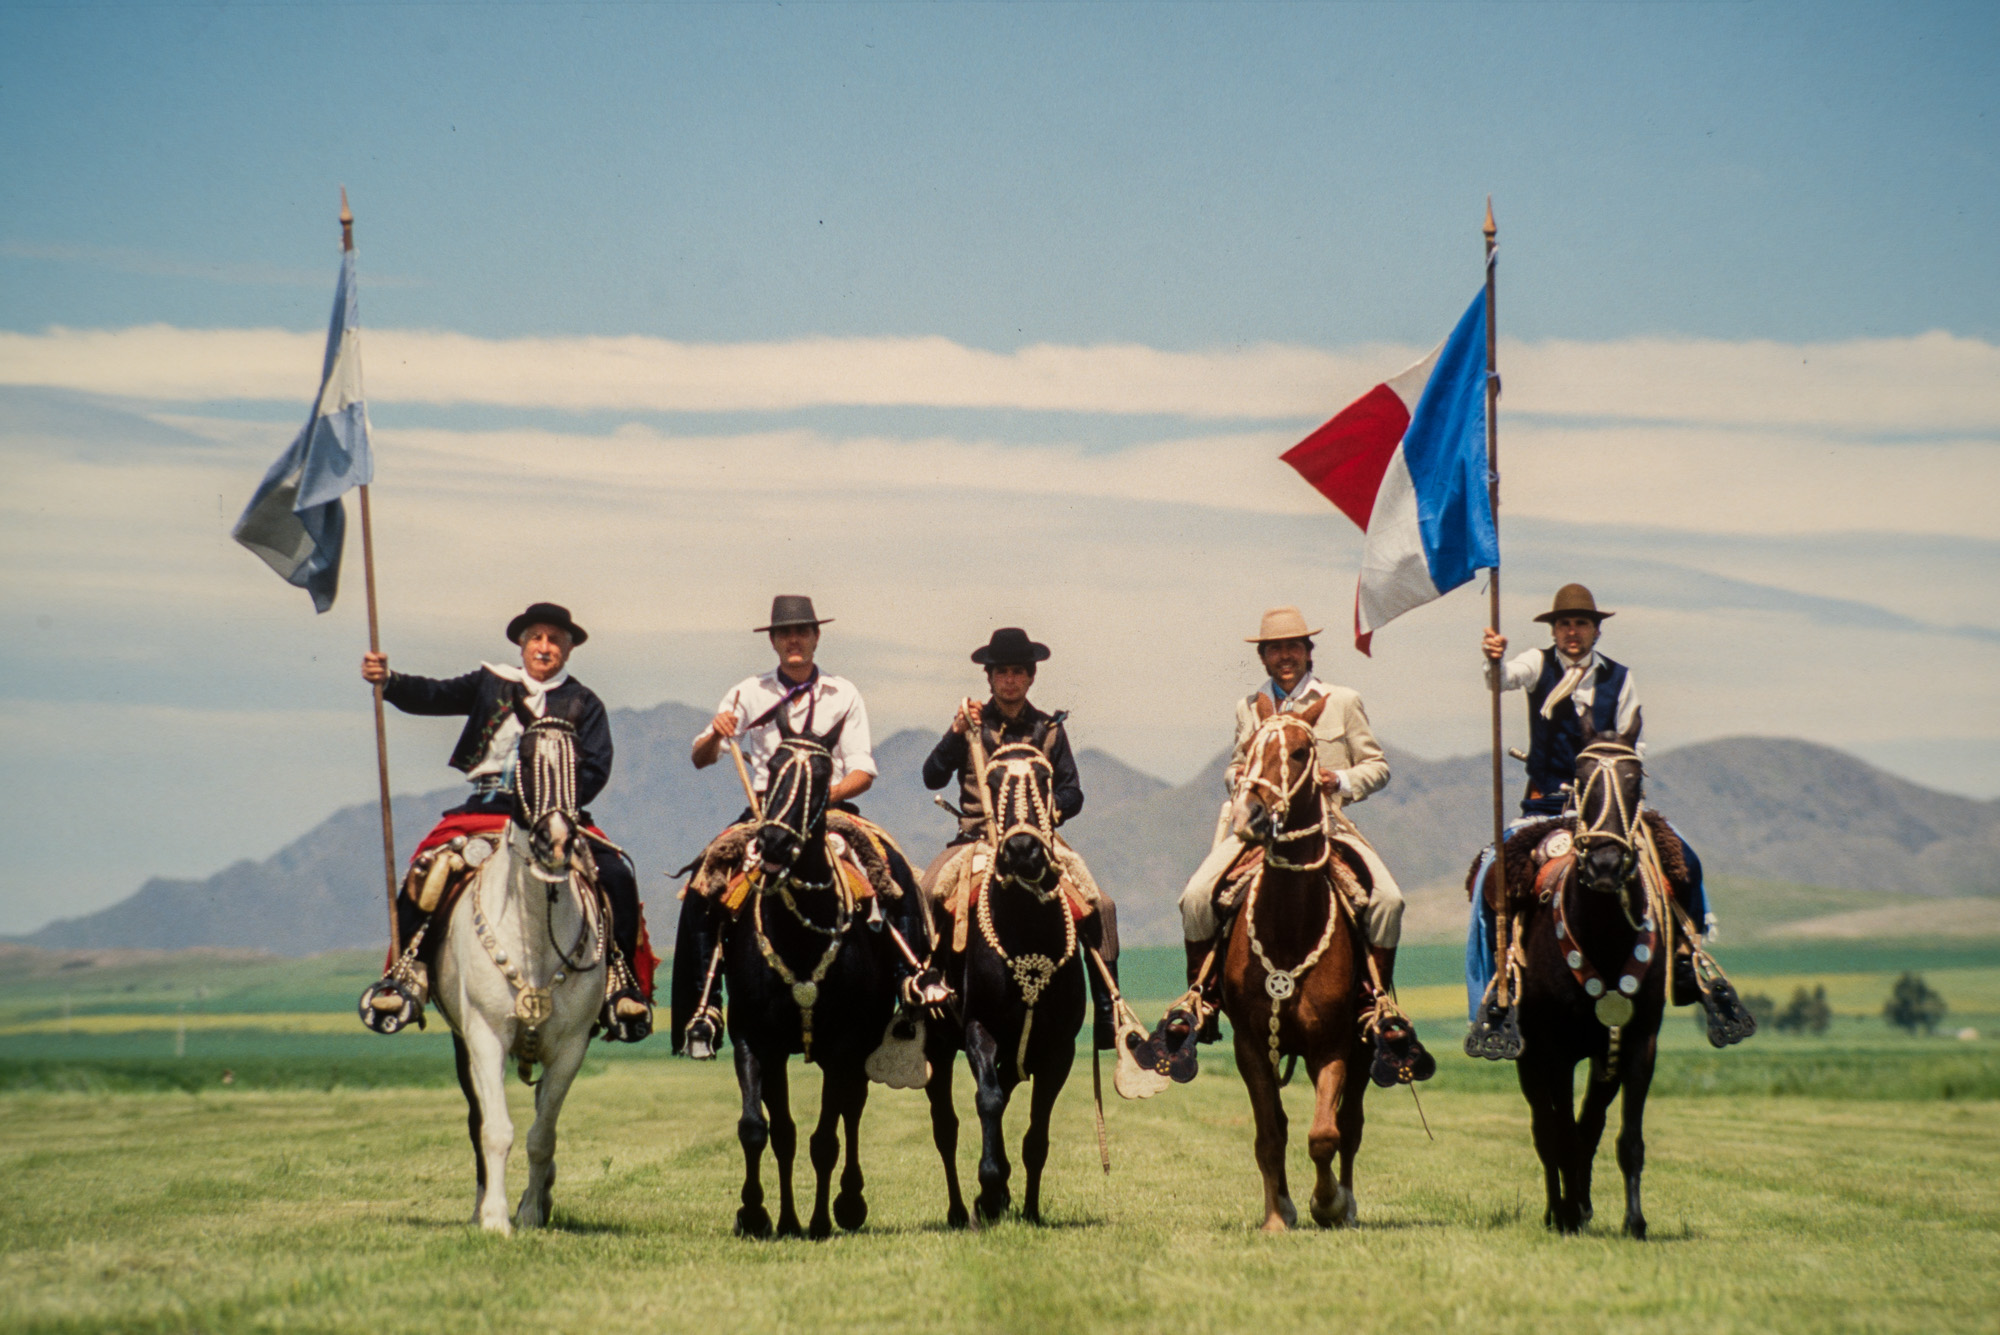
1614, 1010
1280, 985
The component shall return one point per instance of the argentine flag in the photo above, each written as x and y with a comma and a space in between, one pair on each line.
1407, 462
295, 521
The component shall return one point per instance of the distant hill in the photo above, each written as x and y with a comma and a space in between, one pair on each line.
1758, 808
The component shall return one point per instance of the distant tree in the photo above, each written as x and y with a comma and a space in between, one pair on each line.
1912, 1005
1808, 1012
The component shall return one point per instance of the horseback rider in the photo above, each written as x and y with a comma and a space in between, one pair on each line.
1566, 683
1010, 659
811, 700
1351, 766
495, 700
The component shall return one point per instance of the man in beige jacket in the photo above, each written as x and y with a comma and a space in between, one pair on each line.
1351, 766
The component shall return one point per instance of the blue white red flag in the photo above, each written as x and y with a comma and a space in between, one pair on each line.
1407, 462
295, 520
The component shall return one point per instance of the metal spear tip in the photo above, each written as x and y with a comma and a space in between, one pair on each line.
1490, 230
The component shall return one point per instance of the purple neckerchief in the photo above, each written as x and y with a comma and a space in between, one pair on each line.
792, 693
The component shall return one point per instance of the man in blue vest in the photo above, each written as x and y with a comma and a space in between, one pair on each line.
1566, 683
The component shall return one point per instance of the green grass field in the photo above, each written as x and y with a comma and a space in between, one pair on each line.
1841, 1182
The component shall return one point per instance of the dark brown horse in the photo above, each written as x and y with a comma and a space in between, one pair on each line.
1292, 968
1021, 980
1589, 944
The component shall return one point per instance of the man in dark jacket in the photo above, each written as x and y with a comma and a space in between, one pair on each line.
493, 699
1010, 658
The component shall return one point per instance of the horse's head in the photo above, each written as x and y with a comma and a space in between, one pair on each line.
1020, 798
1277, 787
545, 803
1610, 782
794, 815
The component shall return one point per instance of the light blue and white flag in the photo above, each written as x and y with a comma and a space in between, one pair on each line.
296, 521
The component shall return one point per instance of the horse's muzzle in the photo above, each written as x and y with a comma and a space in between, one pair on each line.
778, 848
1023, 858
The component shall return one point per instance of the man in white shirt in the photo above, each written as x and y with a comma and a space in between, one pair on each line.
812, 700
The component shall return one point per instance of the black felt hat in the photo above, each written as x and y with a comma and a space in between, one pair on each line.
546, 614
1010, 647
792, 609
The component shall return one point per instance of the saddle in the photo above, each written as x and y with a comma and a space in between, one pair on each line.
1538, 856
858, 848
964, 877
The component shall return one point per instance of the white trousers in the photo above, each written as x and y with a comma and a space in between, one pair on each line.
1382, 920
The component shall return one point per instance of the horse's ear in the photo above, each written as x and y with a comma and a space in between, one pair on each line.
1630, 736
782, 718
1264, 707
1589, 727
1310, 714
832, 738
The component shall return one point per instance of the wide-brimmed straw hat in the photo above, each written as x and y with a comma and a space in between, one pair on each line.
1282, 623
792, 609
1573, 600
546, 614
1010, 647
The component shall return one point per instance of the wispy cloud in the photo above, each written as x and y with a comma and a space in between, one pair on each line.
156, 264
1931, 384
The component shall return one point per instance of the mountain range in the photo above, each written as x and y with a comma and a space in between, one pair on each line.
1756, 808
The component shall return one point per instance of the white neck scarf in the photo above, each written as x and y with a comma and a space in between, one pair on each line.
1571, 679
536, 697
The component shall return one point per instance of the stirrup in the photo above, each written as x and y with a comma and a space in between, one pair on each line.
1399, 1058
1496, 1034
1729, 1021
619, 1023
703, 1034
396, 1001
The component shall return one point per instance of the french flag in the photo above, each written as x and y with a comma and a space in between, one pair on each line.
1407, 462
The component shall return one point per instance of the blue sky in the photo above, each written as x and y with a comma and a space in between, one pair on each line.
724, 300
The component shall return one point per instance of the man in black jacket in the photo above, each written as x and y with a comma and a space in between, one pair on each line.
493, 699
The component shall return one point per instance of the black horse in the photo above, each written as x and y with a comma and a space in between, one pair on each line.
1592, 943
805, 973
1022, 985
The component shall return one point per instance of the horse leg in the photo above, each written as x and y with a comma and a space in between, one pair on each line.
1254, 1061
1548, 1087
753, 1132
944, 1127
825, 1148
487, 1059
464, 1063
1332, 1202
535, 1206
1597, 1096
850, 1207
982, 1054
1052, 1075
1348, 1119
1632, 1130
784, 1143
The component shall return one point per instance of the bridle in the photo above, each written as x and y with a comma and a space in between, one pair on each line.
1616, 817
794, 783
1021, 804
1271, 736
544, 790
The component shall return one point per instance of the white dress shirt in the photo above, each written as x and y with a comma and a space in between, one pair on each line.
828, 700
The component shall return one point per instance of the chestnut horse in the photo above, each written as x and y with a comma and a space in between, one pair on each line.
1292, 967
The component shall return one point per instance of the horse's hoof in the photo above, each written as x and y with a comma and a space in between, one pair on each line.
789, 1226
753, 1221
1031, 1214
1288, 1212
850, 1211
1276, 1224
820, 1229
499, 1226
1336, 1213
991, 1207
956, 1217
1635, 1227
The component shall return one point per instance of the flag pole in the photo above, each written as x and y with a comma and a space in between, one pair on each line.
375, 647
1493, 582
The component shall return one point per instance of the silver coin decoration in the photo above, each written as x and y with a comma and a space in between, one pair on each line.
1614, 1011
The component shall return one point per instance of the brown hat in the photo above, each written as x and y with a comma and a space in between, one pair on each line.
1281, 623
1574, 600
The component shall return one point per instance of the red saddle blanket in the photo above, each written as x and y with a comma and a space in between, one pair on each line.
645, 962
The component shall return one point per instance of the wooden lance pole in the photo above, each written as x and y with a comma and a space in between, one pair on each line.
375, 647
1493, 583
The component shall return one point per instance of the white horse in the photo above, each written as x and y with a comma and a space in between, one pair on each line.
521, 974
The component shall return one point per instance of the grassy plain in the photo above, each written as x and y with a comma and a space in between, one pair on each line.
1835, 1183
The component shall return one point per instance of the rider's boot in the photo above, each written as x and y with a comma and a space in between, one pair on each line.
627, 1016
697, 1021
1203, 1018
1104, 1028
396, 1001
1399, 1057
1687, 987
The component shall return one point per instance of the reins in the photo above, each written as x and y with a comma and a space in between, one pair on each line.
793, 766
